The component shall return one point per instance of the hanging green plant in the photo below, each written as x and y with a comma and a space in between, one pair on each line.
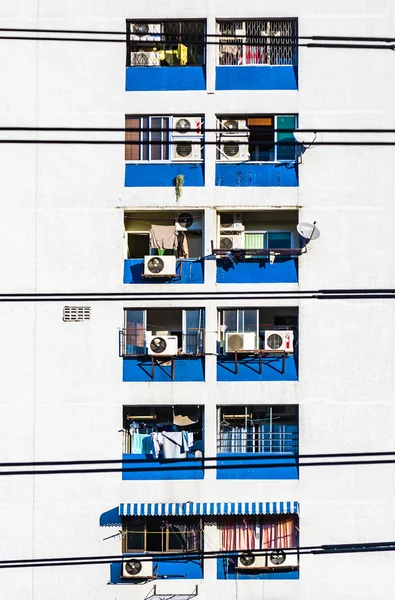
179, 182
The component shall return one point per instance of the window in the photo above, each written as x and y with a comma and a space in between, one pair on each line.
164, 138
264, 429
144, 425
165, 43
266, 138
158, 534
258, 532
185, 327
257, 42
148, 138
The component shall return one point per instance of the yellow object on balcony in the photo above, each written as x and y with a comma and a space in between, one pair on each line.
182, 54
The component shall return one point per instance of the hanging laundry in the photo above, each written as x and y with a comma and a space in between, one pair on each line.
164, 237
175, 444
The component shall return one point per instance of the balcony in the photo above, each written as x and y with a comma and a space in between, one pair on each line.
257, 55
258, 344
164, 151
166, 55
256, 151
257, 247
163, 442
177, 235
163, 345
257, 442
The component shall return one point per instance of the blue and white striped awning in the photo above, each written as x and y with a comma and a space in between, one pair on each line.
179, 509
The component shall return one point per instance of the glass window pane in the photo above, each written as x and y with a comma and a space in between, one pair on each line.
135, 332
286, 152
279, 239
156, 123
250, 319
165, 138
135, 536
230, 320
145, 147
253, 241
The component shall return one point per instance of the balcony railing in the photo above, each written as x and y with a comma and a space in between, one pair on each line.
256, 439
133, 342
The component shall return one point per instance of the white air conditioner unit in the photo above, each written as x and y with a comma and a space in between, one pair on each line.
161, 345
145, 59
231, 240
231, 221
190, 126
137, 567
234, 127
159, 266
281, 559
186, 221
187, 150
240, 342
251, 561
233, 149
279, 340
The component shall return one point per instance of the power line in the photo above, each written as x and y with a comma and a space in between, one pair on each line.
202, 143
324, 549
286, 462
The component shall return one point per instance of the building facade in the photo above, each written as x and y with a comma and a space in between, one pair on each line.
187, 295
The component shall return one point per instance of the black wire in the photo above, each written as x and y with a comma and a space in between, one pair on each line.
295, 455
287, 461
187, 136
224, 554
202, 143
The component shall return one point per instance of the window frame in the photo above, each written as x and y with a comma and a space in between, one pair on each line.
165, 534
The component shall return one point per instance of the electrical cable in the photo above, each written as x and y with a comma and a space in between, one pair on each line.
213, 554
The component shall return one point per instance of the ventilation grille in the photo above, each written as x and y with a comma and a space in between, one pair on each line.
76, 313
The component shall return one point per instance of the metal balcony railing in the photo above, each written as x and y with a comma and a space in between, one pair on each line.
256, 439
133, 341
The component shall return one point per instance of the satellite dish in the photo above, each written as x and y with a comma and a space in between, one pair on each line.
308, 231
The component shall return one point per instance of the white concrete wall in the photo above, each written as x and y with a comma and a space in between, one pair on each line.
61, 231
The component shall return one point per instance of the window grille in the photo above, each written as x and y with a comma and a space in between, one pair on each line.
76, 313
165, 44
257, 43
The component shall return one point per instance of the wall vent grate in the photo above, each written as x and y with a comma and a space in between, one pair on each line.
76, 313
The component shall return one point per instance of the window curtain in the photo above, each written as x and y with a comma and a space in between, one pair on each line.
250, 533
239, 535
132, 151
278, 532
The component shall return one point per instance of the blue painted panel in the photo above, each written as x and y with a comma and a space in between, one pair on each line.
146, 79
163, 566
226, 569
249, 369
163, 175
283, 270
189, 270
262, 77
248, 467
256, 174
154, 469
185, 369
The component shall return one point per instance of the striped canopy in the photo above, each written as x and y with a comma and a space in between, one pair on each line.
181, 509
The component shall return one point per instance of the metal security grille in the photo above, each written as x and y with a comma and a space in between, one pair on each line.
76, 313
165, 44
257, 43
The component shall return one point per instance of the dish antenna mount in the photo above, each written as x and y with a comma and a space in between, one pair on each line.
308, 231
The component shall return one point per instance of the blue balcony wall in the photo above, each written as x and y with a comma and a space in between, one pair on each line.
260, 77
248, 368
163, 174
160, 469
283, 270
249, 467
185, 369
155, 79
178, 568
189, 270
226, 569
251, 174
